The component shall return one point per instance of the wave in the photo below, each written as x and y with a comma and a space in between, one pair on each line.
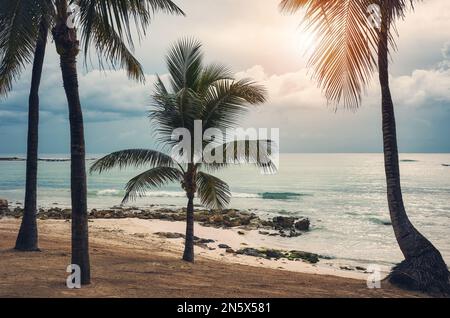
380, 221
107, 192
281, 195
181, 194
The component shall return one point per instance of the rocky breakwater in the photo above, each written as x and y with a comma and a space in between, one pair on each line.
228, 218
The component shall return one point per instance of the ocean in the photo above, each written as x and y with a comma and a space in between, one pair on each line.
342, 194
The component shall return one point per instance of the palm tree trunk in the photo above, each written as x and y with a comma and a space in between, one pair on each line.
67, 46
423, 267
27, 239
188, 254
189, 186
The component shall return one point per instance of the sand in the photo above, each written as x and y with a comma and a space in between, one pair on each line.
129, 260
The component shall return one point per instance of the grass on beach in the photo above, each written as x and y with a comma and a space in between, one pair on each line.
130, 268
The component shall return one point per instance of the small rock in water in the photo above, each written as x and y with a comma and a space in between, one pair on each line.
223, 246
302, 225
283, 222
241, 232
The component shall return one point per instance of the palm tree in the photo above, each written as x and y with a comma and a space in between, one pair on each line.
105, 25
197, 92
348, 49
24, 33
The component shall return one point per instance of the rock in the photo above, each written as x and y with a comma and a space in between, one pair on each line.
283, 222
230, 250
302, 225
224, 246
4, 206
170, 235
241, 232
250, 252
360, 268
203, 240
293, 233
263, 232
306, 256
274, 254
17, 212
346, 268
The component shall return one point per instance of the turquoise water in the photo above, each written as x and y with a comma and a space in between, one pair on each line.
342, 194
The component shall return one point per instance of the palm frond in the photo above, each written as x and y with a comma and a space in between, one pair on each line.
185, 62
176, 108
153, 178
20, 22
120, 14
109, 45
345, 57
212, 192
210, 74
171, 111
226, 101
106, 25
257, 152
132, 158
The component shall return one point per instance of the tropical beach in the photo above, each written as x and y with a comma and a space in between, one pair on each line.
285, 149
128, 261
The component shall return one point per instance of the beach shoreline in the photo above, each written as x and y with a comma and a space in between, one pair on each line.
230, 235
129, 251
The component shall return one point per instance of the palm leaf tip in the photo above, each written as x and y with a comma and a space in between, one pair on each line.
213, 192
132, 158
344, 58
153, 178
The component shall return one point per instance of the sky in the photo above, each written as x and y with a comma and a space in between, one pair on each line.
257, 41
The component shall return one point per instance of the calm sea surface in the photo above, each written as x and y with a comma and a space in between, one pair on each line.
342, 194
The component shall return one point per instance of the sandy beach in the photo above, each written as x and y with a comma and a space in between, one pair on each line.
130, 260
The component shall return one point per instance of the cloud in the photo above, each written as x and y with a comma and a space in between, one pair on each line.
257, 41
105, 96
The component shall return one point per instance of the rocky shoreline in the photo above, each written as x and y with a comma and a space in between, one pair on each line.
241, 221
228, 218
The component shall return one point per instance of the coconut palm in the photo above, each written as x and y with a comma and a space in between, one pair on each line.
23, 36
198, 93
349, 49
104, 25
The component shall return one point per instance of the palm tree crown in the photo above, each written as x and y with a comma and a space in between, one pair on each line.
105, 27
345, 56
197, 92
